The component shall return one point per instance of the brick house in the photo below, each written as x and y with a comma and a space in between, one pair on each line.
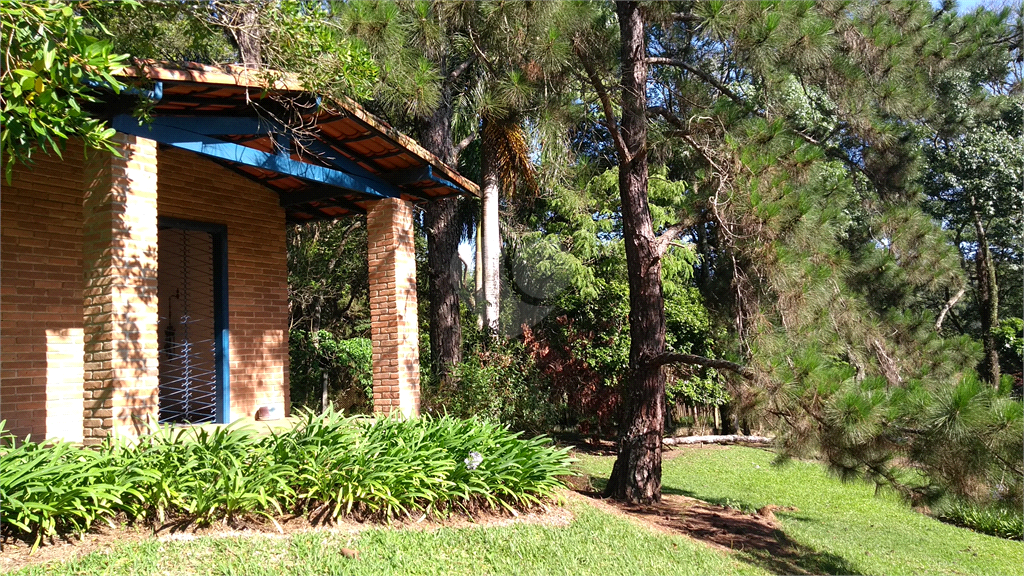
151, 284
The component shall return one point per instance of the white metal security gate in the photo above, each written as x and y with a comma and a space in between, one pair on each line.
192, 327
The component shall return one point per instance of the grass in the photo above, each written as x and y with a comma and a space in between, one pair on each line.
839, 527
595, 543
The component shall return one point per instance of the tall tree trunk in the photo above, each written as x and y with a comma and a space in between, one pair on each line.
491, 176
636, 476
242, 20
988, 300
443, 233
478, 278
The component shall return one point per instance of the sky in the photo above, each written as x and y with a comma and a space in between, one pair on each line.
970, 5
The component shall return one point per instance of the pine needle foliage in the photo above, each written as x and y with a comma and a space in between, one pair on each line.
801, 128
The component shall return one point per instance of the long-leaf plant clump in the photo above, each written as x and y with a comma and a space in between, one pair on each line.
326, 466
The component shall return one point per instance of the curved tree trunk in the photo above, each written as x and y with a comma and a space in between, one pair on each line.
636, 476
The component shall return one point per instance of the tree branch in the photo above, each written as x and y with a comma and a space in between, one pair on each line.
949, 305
704, 75
667, 115
464, 143
609, 111
460, 69
480, 52
726, 439
672, 358
668, 237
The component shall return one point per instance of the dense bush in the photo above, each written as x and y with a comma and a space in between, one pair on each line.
503, 385
46, 490
346, 362
993, 519
327, 466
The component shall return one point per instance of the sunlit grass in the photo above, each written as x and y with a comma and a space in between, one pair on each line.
594, 543
848, 524
839, 528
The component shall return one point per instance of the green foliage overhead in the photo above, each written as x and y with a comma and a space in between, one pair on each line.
1010, 336
803, 132
291, 36
49, 63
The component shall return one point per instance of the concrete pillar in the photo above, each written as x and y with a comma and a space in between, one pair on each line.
393, 320
120, 307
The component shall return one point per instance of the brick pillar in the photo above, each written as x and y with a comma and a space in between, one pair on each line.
393, 323
120, 313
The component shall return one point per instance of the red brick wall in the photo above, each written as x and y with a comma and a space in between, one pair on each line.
119, 248
393, 324
42, 281
41, 298
193, 188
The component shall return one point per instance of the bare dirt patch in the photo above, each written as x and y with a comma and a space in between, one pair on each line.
759, 537
719, 526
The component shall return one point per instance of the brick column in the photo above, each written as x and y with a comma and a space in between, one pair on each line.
393, 322
120, 313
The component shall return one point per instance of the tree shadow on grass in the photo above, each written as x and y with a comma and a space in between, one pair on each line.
757, 539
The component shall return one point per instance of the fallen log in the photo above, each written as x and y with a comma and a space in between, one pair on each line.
726, 439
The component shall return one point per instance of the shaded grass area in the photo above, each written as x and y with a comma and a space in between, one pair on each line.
594, 543
839, 528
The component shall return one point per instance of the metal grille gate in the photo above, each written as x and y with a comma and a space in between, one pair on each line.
188, 332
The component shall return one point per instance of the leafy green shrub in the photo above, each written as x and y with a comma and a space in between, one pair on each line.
347, 363
203, 474
706, 390
326, 466
992, 519
1010, 341
393, 467
47, 489
502, 385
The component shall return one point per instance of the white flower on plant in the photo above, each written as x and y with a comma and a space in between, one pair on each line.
474, 460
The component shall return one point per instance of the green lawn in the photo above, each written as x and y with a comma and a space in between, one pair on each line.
839, 528
595, 543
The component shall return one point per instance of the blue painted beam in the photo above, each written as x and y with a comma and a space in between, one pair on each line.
410, 176
219, 125
420, 174
249, 126
238, 154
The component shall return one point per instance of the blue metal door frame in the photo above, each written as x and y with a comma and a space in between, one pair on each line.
219, 235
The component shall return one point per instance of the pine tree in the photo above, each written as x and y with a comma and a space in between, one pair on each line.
423, 57
800, 128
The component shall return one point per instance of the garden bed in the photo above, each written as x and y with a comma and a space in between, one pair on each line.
324, 468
